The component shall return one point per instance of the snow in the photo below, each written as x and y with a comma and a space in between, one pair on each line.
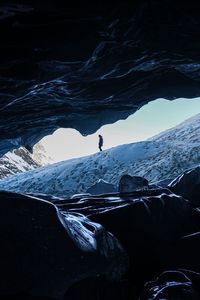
164, 156
17, 160
21, 160
132, 152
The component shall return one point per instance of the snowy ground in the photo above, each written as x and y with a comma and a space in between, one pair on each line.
163, 156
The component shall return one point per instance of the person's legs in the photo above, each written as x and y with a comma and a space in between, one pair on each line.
100, 148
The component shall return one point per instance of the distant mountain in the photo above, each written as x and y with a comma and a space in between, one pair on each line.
162, 157
40, 155
21, 160
17, 161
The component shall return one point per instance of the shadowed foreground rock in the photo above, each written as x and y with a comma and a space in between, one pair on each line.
179, 285
158, 229
130, 183
146, 227
188, 186
43, 252
92, 247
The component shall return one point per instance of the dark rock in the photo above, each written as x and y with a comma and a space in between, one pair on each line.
43, 251
99, 288
130, 183
24, 296
92, 204
171, 285
188, 186
29, 148
47, 197
183, 253
145, 227
69, 254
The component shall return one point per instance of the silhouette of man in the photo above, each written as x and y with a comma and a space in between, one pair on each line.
100, 142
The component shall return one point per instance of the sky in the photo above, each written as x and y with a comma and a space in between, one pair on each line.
151, 119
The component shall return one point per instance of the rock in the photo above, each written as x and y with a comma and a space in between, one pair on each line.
101, 187
171, 285
29, 148
140, 236
43, 251
183, 253
42, 196
129, 183
99, 288
146, 226
188, 186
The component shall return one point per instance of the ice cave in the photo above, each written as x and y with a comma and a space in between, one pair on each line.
130, 231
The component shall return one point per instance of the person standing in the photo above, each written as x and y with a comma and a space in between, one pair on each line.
100, 142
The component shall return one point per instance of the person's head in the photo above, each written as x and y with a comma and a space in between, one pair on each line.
99, 135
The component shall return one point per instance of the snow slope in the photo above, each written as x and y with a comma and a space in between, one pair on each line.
163, 156
16, 161
21, 160
40, 155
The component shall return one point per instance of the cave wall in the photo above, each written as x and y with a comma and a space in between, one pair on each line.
83, 65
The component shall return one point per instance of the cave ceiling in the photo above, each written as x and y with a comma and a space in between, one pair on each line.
85, 64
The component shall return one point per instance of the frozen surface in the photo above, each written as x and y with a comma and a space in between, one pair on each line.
161, 157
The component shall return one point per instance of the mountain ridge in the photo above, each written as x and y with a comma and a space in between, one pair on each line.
21, 160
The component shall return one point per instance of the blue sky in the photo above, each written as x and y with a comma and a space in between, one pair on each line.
151, 119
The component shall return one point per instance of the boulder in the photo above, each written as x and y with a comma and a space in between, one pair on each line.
130, 183
183, 253
146, 226
188, 186
171, 285
43, 251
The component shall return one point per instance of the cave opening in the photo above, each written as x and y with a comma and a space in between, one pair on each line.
157, 142
151, 119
